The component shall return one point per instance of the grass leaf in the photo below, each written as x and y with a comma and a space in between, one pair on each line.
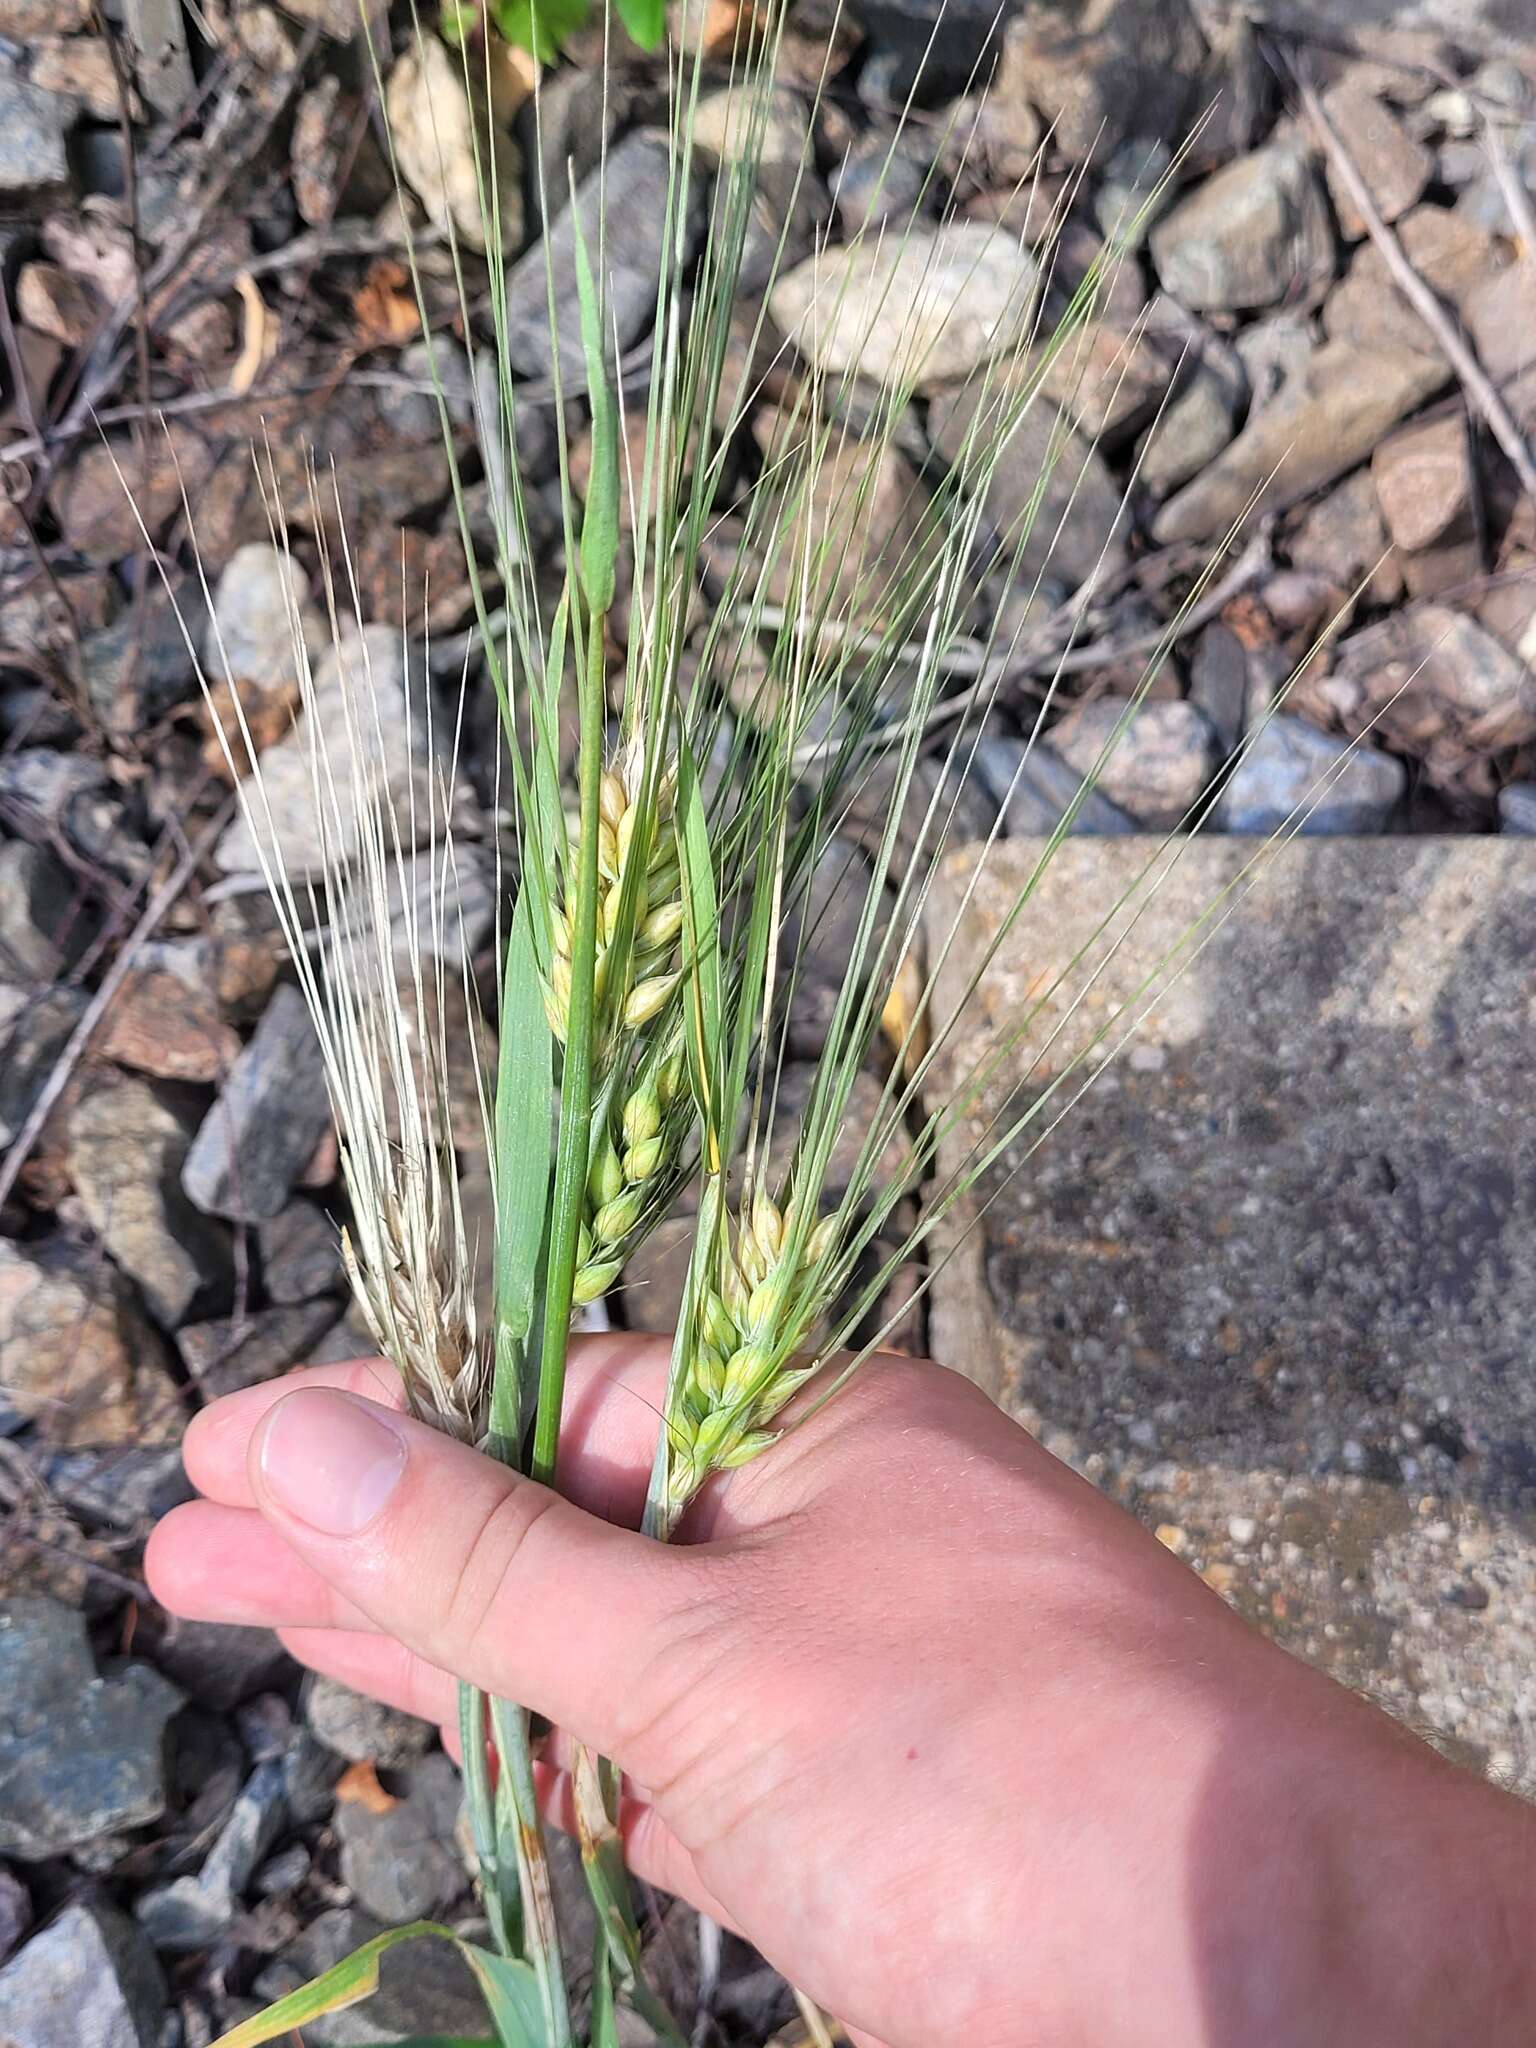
522, 1160
701, 923
542, 27
345, 1984
646, 20
600, 518
511, 1993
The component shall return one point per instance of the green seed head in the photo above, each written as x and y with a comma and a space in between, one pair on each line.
643, 1160
647, 999
616, 1219
642, 1116
593, 1280
605, 1179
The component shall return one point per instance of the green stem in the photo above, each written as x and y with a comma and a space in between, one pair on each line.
541, 1930
576, 1076
480, 1801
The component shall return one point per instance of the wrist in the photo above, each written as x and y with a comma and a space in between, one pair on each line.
1409, 1913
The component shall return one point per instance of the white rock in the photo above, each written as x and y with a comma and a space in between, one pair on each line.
261, 603
435, 137
360, 688
725, 126
929, 308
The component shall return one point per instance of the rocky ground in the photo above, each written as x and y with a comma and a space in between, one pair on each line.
198, 227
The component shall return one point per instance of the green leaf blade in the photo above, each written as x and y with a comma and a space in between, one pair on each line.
345, 1984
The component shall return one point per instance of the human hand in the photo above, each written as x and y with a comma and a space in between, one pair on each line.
959, 1747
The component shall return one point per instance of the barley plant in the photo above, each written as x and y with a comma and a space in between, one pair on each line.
747, 677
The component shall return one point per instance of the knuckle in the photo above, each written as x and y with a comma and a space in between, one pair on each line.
492, 1557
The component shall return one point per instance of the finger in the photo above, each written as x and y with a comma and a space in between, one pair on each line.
615, 1387
379, 1666
211, 1563
480, 1571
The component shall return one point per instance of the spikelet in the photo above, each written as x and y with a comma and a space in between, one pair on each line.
737, 1375
652, 972
626, 1174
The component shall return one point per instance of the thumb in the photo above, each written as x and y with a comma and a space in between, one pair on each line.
477, 1569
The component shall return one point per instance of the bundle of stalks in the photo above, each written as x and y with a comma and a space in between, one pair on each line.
648, 958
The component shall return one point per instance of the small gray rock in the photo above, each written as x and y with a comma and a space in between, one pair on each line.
879, 182
1034, 789
33, 125
46, 921
1248, 235
1157, 766
1218, 683
76, 1354
271, 1114
360, 1729
140, 667
1198, 420
191, 1912
220, 1663
300, 1253
1517, 808
127, 1147
89, 1980
80, 1755
1290, 766
404, 1864
1077, 527
124, 1487
259, 605
34, 1029
223, 1355
15, 1912
1131, 192
822, 938
638, 174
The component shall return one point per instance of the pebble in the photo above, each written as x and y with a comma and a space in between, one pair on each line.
1242, 1528
638, 176
81, 1756
1424, 481
46, 921
300, 1253
1198, 420
221, 1663
192, 1912
1517, 808
927, 307
140, 667
33, 125
1157, 767
125, 1487
404, 1863
1289, 765
76, 1356
880, 183
261, 601
224, 1355
161, 1024
1451, 254
435, 134
362, 680
1253, 233
35, 1027
15, 1912
1034, 788
270, 1115
1394, 166
126, 1148
1322, 422
1049, 492
1105, 72
360, 1729
88, 1980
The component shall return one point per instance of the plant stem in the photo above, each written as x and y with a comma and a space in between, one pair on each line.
576, 1076
541, 1932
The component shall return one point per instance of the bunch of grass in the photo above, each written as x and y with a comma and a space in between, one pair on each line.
648, 964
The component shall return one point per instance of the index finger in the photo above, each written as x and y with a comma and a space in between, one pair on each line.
614, 1392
